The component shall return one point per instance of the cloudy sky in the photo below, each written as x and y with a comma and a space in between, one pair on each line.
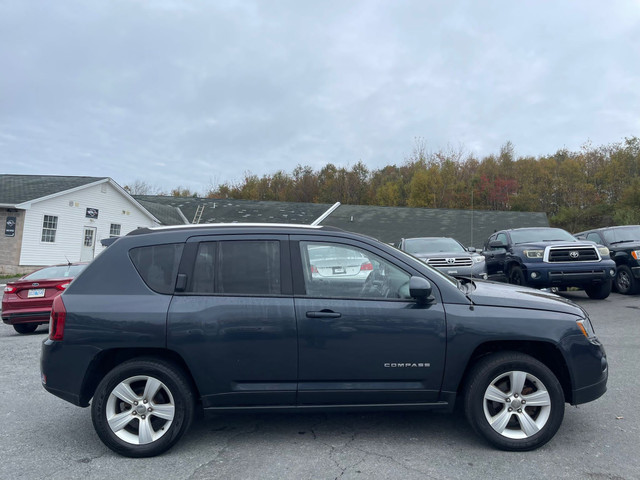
194, 93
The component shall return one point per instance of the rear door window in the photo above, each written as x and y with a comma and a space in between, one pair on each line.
249, 267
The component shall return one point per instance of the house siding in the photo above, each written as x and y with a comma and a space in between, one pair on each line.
70, 209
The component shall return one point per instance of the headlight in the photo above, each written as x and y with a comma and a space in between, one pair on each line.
604, 251
534, 253
478, 259
636, 254
586, 328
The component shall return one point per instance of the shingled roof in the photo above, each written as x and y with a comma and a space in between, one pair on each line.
167, 214
17, 189
388, 224
245, 211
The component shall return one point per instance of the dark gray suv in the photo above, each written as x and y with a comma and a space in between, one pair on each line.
236, 318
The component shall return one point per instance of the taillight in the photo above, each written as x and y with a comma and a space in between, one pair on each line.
57, 319
62, 286
10, 289
314, 269
366, 266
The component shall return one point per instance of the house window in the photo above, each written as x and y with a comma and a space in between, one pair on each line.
49, 226
114, 231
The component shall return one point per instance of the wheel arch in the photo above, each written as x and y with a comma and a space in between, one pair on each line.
545, 352
106, 360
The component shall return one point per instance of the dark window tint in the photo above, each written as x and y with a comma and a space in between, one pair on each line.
203, 270
251, 267
157, 265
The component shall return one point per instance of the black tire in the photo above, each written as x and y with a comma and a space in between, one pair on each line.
144, 435
625, 282
498, 371
24, 328
516, 276
599, 291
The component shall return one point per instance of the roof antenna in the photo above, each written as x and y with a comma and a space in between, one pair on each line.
68, 262
331, 209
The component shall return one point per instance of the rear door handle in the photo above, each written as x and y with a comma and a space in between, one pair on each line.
324, 314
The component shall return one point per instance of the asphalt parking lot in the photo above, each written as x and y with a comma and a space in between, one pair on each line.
42, 436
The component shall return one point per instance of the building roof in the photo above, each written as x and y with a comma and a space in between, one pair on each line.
218, 210
388, 224
167, 214
17, 189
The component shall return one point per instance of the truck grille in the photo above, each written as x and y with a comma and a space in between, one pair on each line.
450, 262
573, 254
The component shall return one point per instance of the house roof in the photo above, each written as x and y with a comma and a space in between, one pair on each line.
388, 224
167, 214
17, 189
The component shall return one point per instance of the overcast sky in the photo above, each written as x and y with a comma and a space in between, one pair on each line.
197, 92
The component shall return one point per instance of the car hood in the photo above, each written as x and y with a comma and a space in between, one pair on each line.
625, 246
505, 295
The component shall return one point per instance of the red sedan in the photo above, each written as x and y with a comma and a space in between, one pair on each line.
27, 302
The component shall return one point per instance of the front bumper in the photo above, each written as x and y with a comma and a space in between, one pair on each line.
636, 272
543, 274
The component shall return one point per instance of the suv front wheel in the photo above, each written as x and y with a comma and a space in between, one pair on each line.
514, 401
142, 407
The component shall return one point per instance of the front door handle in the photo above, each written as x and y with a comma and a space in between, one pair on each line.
324, 314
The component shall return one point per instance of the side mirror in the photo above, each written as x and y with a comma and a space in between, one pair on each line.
497, 244
420, 289
471, 249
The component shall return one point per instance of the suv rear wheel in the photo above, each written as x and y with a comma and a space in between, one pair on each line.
142, 407
514, 401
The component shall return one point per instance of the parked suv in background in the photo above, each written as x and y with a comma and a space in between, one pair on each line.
550, 257
624, 244
232, 318
447, 255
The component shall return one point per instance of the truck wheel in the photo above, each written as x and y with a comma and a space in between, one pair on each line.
624, 282
23, 328
599, 291
141, 408
516, 276
514, 401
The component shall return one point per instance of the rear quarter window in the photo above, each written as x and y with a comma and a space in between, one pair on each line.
158, 265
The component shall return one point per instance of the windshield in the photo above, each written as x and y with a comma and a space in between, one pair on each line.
61, 271
541, 235
623, 234
432, 245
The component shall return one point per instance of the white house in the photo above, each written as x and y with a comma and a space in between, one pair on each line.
55, 219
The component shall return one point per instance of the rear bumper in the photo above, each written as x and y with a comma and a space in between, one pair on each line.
15, 317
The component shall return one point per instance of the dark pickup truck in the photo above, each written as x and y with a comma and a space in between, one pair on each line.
623, 243
549, 257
